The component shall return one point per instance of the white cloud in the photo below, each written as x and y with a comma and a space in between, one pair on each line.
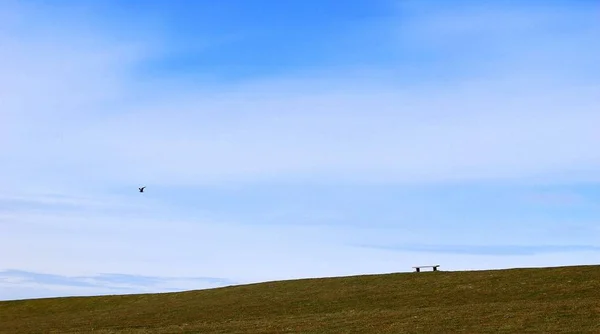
76, 122
494, 135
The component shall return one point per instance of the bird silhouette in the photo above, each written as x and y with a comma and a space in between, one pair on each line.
141, 189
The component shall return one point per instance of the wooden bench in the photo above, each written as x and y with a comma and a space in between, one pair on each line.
418, 269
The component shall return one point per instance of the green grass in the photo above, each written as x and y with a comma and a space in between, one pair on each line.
545, 300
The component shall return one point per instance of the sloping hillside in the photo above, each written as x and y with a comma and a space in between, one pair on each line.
547, 300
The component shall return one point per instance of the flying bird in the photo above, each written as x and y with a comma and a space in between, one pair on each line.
141, 189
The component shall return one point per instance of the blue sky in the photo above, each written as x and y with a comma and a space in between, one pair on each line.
282, 140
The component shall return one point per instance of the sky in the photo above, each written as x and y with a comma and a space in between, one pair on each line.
292, 139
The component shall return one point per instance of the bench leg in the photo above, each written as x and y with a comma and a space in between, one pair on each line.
417, 269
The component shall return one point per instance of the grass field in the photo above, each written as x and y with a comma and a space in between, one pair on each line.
546, 300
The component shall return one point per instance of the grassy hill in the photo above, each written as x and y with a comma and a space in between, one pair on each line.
546, 300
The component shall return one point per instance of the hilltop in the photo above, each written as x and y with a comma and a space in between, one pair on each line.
542, 300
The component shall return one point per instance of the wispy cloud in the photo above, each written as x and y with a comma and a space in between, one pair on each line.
13, 282
558, 198
498, 250
361, 126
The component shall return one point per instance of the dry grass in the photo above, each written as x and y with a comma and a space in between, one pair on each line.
547, 300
